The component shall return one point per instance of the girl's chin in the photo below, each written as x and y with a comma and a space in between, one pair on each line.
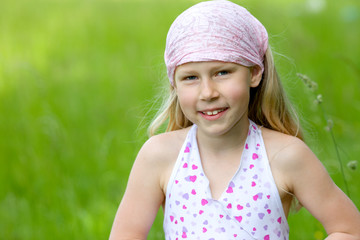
221, 128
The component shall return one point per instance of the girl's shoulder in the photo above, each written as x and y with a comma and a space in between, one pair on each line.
162, 149
287, 155
166, 144
285, 149
159, 153
277, 142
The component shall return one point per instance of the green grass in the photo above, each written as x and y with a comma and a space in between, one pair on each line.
78, 77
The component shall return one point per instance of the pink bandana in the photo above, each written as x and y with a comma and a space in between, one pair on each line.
216, 30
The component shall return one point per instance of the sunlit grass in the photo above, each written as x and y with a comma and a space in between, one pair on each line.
77, 78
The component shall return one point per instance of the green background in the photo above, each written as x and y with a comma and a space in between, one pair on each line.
79, 82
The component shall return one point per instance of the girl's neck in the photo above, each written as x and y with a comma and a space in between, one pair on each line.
228, 142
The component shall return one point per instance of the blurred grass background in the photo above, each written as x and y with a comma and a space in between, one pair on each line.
77, 82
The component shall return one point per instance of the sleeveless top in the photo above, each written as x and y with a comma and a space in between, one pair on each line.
249, 208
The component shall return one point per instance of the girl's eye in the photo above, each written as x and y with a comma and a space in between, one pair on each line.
190, 78
221, 73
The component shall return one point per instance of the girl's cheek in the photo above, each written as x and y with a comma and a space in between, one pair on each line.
237, 92
186, 94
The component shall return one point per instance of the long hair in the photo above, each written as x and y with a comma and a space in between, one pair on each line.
268, 106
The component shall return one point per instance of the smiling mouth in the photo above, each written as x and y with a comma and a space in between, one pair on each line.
211, 113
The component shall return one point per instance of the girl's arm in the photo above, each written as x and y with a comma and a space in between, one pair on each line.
143, 195
307, 178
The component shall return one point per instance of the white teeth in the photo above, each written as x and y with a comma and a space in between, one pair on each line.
213, 112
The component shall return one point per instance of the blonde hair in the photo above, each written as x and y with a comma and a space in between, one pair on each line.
268, 106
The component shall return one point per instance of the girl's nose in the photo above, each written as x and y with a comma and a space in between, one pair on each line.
208, 90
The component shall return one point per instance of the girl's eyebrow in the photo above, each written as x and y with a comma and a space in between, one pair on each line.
186, 72
224, 67
210, 68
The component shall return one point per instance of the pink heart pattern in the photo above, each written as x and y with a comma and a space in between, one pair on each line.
249, 205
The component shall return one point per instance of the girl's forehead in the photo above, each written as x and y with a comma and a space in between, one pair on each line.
207, 64
204, 65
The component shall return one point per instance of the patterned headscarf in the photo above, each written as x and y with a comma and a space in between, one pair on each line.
217, 30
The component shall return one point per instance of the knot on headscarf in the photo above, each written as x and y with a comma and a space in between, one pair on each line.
217, 30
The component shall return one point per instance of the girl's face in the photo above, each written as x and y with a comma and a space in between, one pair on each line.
215, 95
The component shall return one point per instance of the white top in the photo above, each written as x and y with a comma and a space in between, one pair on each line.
249, 208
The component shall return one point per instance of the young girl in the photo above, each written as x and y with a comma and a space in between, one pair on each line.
232, 159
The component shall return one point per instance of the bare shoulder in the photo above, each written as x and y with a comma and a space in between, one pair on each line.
286, 150
297, 170
149, 173
289, 157
161, 147
159, 153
